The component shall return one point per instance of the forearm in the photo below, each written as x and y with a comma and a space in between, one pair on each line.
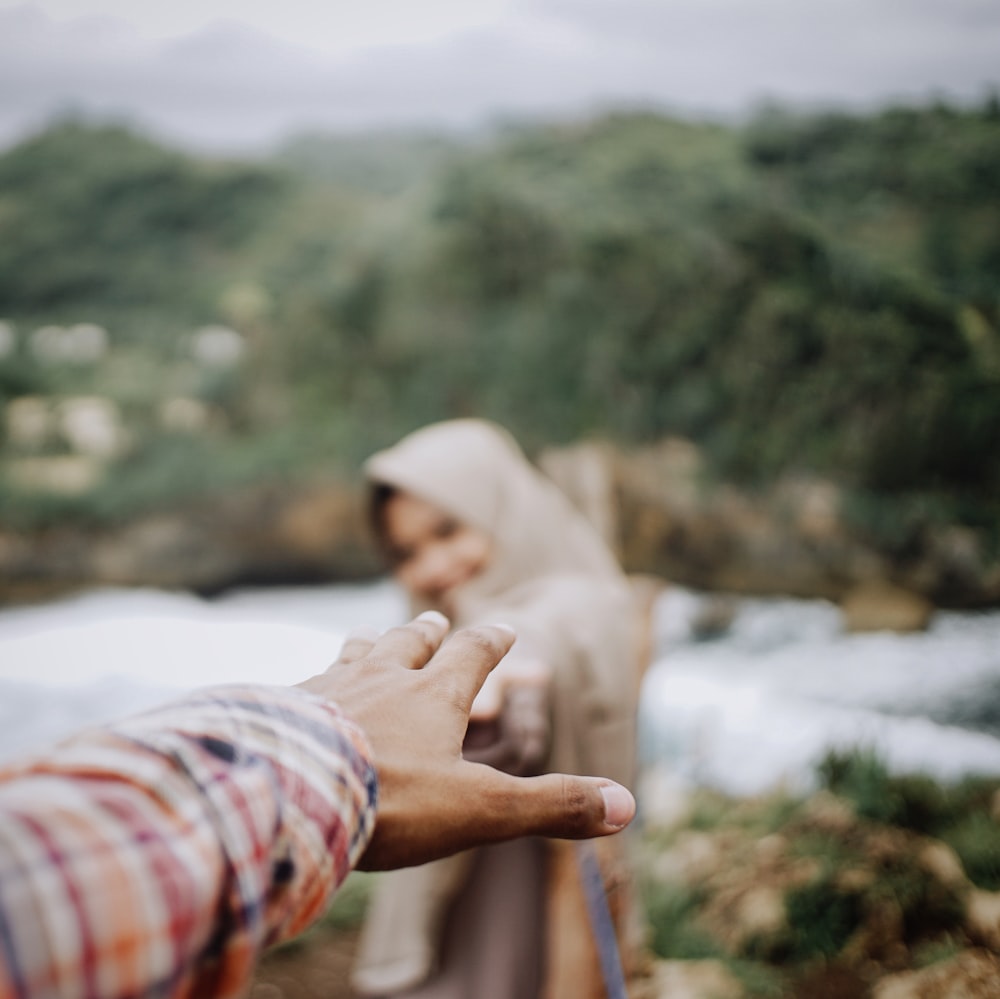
163, 853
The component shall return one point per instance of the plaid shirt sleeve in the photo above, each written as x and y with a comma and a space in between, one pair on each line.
158, 856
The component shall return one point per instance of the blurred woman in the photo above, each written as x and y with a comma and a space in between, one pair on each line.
470, 528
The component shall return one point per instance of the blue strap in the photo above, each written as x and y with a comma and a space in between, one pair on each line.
600, 920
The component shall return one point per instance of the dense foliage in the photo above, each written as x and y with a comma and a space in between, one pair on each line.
98, 220
813, 293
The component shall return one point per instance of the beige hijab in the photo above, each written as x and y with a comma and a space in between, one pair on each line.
552, 578
475, 471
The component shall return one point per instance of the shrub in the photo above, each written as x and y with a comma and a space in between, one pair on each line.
821, 918
976, 840
672, 911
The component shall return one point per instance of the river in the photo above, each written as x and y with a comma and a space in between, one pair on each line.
753, 708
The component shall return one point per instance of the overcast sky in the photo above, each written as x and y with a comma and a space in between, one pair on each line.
243, 74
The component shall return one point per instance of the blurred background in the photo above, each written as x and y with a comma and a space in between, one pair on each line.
729, 270
249, 245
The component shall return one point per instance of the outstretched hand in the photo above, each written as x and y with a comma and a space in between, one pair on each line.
412, 696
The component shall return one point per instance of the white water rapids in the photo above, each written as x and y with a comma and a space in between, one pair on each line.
754, 708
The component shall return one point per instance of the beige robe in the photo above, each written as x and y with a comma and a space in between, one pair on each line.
553, 579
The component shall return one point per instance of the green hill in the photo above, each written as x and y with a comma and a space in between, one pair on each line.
812, 293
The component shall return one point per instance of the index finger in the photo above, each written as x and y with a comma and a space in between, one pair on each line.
412, 645
469, 657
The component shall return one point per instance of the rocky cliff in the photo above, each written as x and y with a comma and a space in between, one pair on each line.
657, 507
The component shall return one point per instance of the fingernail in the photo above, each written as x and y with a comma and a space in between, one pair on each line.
619, 805
434, 617
503, 626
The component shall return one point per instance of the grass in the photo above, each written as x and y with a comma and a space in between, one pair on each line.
935, 951
832, 849
671, 911
821, 918
958, 814
759, 981
869, 906
976, 840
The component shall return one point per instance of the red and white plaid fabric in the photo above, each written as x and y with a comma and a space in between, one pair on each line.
159, 855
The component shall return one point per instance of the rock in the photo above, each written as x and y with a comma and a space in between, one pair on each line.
714, 617
745, 894
830, 902
826, 812
657, 506
694, 980
769, 850
585, 474
315, 522
165, 551
694, 857
972, 974
982, 918
943, 864
877, 605
813, 507
760, 912
677, 523
263, 535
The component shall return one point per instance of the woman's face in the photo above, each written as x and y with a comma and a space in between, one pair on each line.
432, 552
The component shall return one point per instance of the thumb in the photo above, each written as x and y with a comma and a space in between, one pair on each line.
565, 806
480, 805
